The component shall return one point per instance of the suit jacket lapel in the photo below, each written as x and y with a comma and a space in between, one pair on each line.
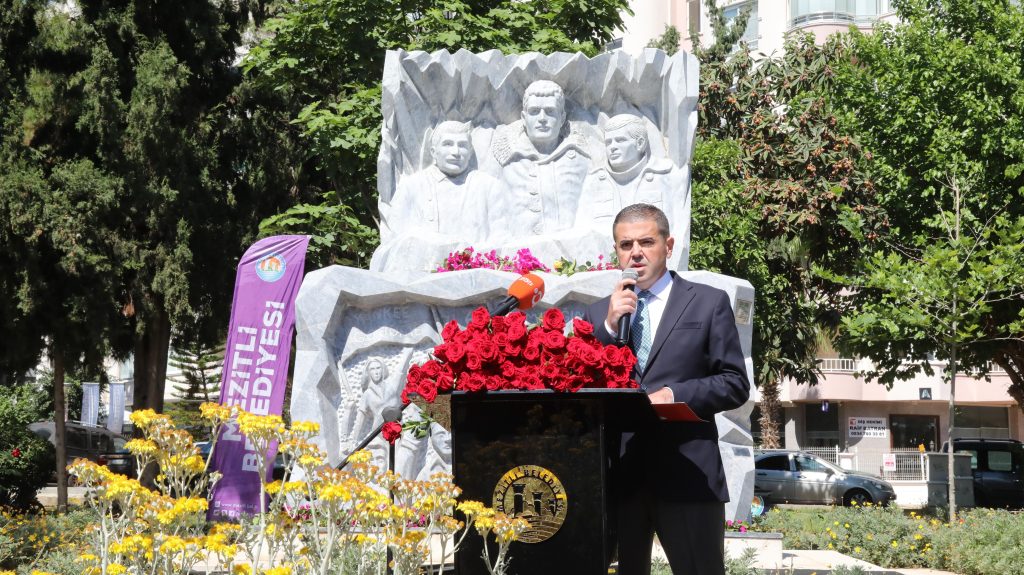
680, 297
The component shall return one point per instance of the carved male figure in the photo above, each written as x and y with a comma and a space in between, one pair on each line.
446, 198
632, 176
543, 164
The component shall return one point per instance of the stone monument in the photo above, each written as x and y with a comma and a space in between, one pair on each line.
499, 152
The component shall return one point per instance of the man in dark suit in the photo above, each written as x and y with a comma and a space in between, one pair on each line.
669, 478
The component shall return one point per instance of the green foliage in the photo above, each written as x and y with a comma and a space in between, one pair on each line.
937, 99
668, 41
44, 542
981, 542
337, 234
326, 58
779, 188
137, 166
26, 460
198, 382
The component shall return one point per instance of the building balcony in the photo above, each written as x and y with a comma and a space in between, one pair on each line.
844, 381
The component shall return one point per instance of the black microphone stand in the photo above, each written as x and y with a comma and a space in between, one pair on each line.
389, 416
373, 435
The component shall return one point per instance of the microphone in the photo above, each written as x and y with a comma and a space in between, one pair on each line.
523, 294
626, 320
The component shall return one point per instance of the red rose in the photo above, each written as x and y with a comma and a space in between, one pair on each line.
480, 319
499, 324
582, 328
516, 329
613, 354
501, 340
450, 329
495, 383
473, 361
454, 351
508, 370
554, 340
487, 349
445, 379
583, 352
428, 391
531, 352
391, 431
550, 371
474, 381
16, 452
553, 319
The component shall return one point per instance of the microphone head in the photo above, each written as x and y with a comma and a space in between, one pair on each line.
630, 274
527, 289
392, 413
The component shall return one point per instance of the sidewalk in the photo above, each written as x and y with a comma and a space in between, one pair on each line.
808, 562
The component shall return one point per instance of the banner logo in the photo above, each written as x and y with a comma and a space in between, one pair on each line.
270, 268
536, 495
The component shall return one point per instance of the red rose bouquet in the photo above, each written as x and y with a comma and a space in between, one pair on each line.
502, 352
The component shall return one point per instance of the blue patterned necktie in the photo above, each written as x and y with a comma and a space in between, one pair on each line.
641, 337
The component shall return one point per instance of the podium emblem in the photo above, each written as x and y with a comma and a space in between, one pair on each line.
536, 495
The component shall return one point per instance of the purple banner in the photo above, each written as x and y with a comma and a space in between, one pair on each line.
256, 363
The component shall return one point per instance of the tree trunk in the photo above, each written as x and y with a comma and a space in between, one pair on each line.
770, 438
151, 363
59, 429
151, 374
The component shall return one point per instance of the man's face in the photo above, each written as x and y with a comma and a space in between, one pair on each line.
543, 117
452, 153
623, 151
641, 247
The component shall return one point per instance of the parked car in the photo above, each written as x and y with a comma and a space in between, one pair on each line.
998, 469
798, 477
90, 442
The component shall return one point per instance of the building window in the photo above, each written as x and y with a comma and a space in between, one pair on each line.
915, 430
821, 425
750, 35
837, 10
982, 422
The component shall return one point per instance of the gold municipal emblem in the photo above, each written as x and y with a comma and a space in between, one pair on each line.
536, 495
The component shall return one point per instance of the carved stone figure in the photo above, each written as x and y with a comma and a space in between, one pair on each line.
632, 176
377, 395
447, 198
543, 162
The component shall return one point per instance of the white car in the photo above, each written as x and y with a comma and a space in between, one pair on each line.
797, 477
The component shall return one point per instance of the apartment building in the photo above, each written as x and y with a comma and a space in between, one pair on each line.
767, 26
844, 412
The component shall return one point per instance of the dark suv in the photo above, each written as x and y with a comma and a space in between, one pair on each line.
91, 442
998, 468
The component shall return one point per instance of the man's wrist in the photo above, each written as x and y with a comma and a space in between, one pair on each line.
612, 332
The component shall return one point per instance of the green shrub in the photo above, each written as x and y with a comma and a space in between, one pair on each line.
984, 542
26, 460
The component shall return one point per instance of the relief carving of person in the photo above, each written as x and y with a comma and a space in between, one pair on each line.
447, 198
376, 396
543, 162
631, 176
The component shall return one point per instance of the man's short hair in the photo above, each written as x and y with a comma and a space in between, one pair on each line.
634, 125
642, 213
545, 88
448, 127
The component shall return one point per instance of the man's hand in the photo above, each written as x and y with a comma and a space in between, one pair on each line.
623, 301
663, 395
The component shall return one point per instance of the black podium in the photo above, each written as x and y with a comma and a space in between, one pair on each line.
544, 456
